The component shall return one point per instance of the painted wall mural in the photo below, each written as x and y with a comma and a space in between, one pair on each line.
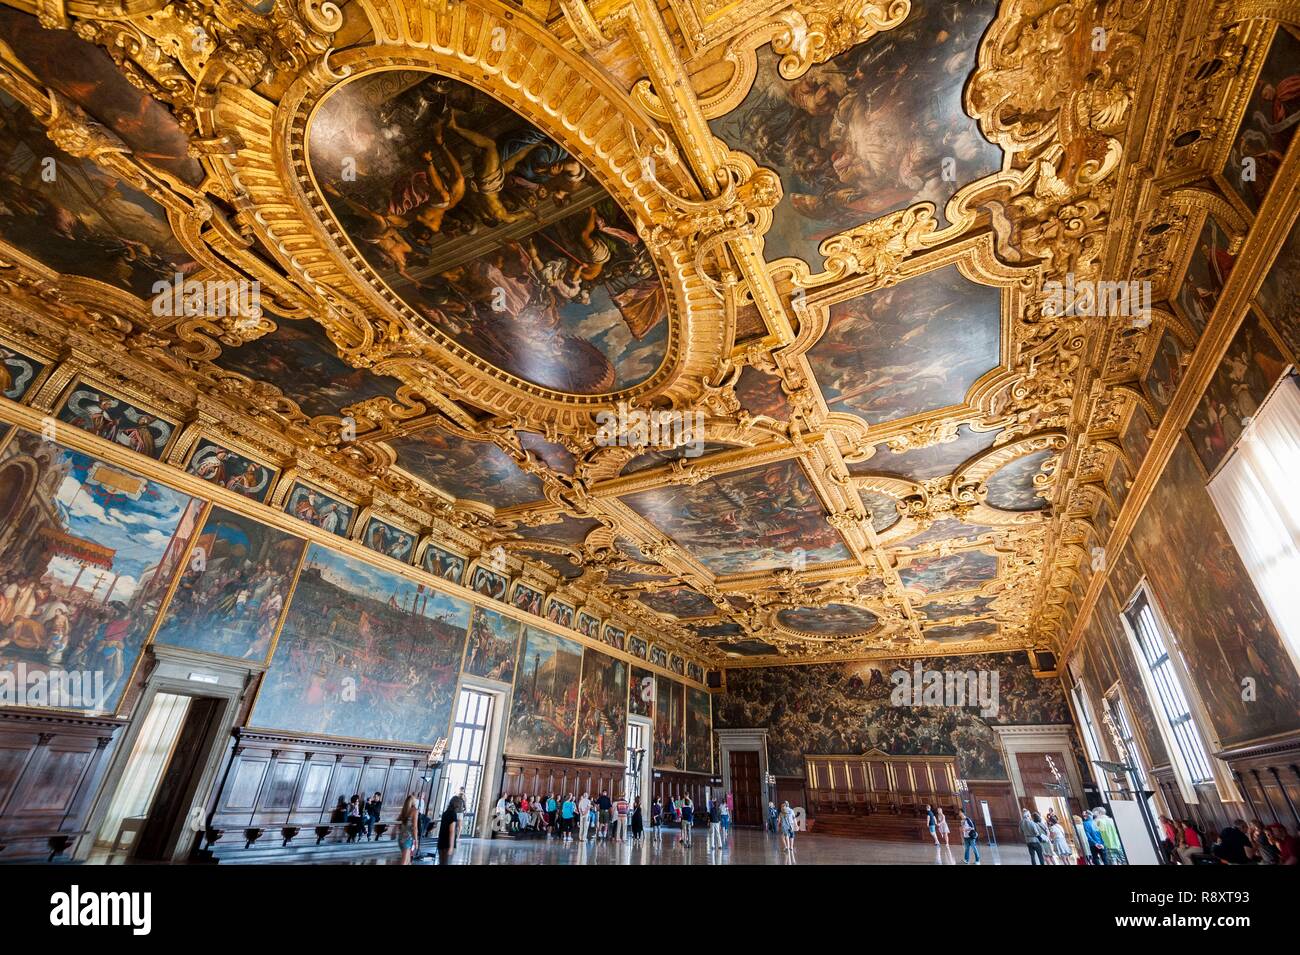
88, 552
745, 521
1012, 488
17, 372
877, 128
602, 709
670, 706
1250, 368
1207, 273
230, 470
1210, 603
544, 707
113, 419
489, 583
699, 732
1268, 126
557, 611
493, 645
845, 709
363, 653
962, 571
913, 347
319, 509
234, 588
1279, 293
383, 537
443, 563
641, 693
527, 598
490, 231
1166, 371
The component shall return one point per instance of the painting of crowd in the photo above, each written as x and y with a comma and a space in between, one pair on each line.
234, 588
699, 732
545, 701
602, 714
493, 642
87, 554
669, 723
365, 654
845, 709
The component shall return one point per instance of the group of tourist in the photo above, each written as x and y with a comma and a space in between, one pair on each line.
1184, 843
936, 823
1048, 844
568, 818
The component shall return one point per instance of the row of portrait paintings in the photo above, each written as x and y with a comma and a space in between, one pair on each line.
98, 560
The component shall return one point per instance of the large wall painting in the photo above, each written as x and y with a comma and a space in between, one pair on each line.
363, 653
641, 693
746, 521
493, 645
670, 717
602, 709
544, 706
1207, 273
1218, 620
1249, 370
490, 231
1279, 293
1269, 124
88, 552
877, 128
845, 709
699, 732
909, 348
234, 588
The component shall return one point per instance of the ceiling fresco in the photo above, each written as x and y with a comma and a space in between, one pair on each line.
811, 240
491, 232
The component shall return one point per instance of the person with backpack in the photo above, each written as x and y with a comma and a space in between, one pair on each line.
716, 840
970, 838
1034, 834
688, 820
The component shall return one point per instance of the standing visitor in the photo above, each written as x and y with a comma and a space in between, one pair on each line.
407, 820
656, 814
1110, 838
1033, 833
552, 815
931, 823
771, 816
1060, 845
1096, 848
567, 810
787, 827
424, 821
970, 839
688, 820
941, 828
448, 832
638, 824
726, 815
715, 824
602, 814
584, 818
620, 819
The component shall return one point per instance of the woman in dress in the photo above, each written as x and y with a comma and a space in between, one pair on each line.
941, 827
638, 824
787, 827
407, 838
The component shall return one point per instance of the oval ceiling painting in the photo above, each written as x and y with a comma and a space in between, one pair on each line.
1012, 488
492, 233
833, 620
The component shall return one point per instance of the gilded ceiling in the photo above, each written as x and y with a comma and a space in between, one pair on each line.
811, 243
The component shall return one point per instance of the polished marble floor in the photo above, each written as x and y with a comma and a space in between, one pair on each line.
745, 847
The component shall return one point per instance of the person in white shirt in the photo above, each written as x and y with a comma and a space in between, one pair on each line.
584, 817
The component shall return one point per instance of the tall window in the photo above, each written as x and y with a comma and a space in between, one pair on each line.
1124, 729
1254, 492
1089, 726
1172, 701
465, 753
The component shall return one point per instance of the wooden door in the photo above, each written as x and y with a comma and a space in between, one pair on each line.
746, 788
